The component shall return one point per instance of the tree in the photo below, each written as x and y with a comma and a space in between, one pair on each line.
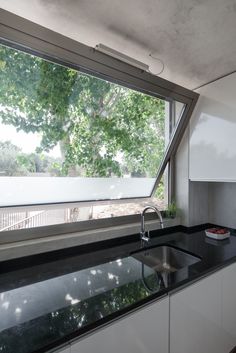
15, 163
39, 163
103, 129
9, 165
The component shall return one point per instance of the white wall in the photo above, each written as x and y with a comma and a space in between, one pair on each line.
191, 197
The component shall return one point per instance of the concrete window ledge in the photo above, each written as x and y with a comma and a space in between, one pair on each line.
19, 249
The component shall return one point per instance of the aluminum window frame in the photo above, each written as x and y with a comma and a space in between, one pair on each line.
32, 38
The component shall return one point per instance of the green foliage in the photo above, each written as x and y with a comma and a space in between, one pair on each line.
160, 191
15, 163
103, 129
9, 164
172, 210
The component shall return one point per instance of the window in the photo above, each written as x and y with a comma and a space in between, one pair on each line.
79, 126
67, 136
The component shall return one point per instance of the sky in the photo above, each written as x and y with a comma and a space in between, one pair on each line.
27, 142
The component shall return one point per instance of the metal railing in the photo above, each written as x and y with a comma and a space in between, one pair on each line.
31, 219
13, 222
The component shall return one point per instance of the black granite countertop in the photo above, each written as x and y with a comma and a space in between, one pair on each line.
49, 299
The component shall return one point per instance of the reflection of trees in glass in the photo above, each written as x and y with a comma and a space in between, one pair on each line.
49, 328
103, 129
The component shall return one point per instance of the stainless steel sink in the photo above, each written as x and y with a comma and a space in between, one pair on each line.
166, 258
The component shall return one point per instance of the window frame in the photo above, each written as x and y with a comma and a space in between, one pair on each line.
32, 38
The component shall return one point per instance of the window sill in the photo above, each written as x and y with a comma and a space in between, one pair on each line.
57, 242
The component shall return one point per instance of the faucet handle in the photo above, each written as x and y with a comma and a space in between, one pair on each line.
145, 238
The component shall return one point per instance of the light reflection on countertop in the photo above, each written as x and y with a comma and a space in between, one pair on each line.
59, 306
45, 304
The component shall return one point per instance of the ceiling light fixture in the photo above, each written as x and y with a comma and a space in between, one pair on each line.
122, 57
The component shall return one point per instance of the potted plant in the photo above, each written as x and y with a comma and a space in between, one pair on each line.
171, 211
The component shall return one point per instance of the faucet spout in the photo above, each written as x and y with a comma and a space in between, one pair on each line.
143, 236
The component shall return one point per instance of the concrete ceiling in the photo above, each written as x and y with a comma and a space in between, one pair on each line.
196, 39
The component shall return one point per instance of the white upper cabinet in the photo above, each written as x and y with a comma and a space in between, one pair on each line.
213, 132
143, 331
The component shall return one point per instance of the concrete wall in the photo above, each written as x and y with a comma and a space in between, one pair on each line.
222, 204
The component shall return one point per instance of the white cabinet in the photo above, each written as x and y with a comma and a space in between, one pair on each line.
195, 318
229, 303
203, 315
144, 331
67, 350
213, 131
64, 350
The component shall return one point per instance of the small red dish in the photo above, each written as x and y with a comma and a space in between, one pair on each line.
217, 233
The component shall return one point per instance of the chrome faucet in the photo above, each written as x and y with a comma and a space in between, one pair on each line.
143, 236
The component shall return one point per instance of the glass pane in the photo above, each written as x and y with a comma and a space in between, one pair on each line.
66, 136
174, 111
15, 220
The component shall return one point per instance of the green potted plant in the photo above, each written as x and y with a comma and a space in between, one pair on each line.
171, 211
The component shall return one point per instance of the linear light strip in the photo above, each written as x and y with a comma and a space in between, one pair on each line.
122, 57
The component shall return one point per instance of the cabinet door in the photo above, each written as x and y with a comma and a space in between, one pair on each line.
212, 132
195, 318
64, 349
229, 304
140, 332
